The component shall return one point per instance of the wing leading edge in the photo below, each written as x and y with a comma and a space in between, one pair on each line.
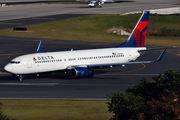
139, 62
118, 64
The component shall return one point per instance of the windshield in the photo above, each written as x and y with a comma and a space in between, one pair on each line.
15, 62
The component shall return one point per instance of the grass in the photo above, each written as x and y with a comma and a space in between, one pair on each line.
160, 21
93, 28
56, 110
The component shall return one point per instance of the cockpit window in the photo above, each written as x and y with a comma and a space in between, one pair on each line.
15, 62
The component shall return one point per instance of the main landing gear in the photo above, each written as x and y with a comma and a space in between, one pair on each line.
20, 78
91, 75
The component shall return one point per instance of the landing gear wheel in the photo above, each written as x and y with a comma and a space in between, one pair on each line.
68, 73
91, 75
38, 74
20, 78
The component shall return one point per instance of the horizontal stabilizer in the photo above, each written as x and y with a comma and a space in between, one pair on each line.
150, 49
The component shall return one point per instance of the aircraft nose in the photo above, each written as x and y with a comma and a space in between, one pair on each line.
7, 68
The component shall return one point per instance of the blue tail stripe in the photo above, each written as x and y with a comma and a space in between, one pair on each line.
131, 43
142, 35
146, 16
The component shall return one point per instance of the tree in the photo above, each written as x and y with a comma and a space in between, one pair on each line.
166, 108
165, 84
145, 89
157, 100
124, 105
170, 82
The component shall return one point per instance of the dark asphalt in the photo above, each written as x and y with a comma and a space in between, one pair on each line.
57, 86
36, 20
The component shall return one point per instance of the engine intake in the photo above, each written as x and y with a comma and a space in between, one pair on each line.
80, 72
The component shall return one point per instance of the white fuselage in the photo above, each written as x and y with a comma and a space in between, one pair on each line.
52, 61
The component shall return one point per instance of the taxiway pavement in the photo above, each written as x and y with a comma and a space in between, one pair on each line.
57, 86
36, 10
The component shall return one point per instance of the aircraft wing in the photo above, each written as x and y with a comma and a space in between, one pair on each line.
118, 64
133, 62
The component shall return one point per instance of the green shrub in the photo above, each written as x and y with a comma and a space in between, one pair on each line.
124, 105
169, 32
157, 100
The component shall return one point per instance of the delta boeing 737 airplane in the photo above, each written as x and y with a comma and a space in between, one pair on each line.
81, 63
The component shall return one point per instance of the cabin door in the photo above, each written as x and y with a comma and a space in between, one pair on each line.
29, 63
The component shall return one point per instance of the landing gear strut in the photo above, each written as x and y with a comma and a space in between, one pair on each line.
68, 73
19, 77
91, 75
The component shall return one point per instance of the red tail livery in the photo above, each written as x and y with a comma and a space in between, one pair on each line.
137, 37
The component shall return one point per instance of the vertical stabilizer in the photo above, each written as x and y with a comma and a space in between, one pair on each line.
137, 37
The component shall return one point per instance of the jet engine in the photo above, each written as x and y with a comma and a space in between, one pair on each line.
81, 72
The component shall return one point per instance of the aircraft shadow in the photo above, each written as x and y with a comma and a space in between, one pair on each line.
44, 76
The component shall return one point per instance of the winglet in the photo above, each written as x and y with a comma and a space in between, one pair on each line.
161, 56
39, 49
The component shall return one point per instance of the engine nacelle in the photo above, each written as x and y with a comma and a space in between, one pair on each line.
80, 72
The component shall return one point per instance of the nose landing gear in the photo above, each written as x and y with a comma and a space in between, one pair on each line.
20, 78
